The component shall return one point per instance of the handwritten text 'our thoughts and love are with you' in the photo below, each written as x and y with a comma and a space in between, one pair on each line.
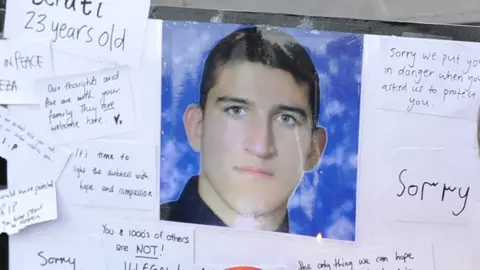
87, 106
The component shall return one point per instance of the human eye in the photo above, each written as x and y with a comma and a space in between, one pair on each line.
235, 111
287, 119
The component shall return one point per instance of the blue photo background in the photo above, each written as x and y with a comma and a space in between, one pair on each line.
325, 199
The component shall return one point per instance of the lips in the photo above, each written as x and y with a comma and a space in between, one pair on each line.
254, 171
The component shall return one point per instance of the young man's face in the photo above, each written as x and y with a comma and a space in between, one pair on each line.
255, 136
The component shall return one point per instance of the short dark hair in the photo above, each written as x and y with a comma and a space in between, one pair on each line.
267, 46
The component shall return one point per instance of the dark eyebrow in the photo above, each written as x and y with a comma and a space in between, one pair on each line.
297, 110
233, 99
279, 108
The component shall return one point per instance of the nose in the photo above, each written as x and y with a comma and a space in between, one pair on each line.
260, 139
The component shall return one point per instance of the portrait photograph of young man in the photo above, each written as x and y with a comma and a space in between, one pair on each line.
259, 128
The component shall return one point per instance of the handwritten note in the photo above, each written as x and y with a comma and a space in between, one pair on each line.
418, 258
424, 76
22, 148
147, 246
27, 205
63, 252
109, 174
434, 186
87, 106
22, 62
108, 31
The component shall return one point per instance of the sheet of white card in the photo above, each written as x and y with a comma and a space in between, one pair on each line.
108, 31
113, 174
426, 76
423, 188
412, 258
475, 240
22, 63
27, 205
63, 252
139, 244
21, 146
86, 106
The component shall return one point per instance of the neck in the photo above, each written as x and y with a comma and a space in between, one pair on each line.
265, 222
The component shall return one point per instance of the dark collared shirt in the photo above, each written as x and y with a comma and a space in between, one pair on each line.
190, 208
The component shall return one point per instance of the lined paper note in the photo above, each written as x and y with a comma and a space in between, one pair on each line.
87, 106
27, 205
110, 174
22, 148
108, 31
22, 62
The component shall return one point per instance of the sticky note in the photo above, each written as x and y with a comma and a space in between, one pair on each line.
113, 174
87, 106
22, 62
27, 205
107, 31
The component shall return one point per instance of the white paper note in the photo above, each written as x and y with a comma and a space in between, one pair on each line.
432, 186
110, 31
413, 258
63, 252
22, 62
137, 244
87, 106
27, 205
424, 76
28, 156
110, 174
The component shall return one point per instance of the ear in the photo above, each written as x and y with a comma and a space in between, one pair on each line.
193, 120
317, 148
